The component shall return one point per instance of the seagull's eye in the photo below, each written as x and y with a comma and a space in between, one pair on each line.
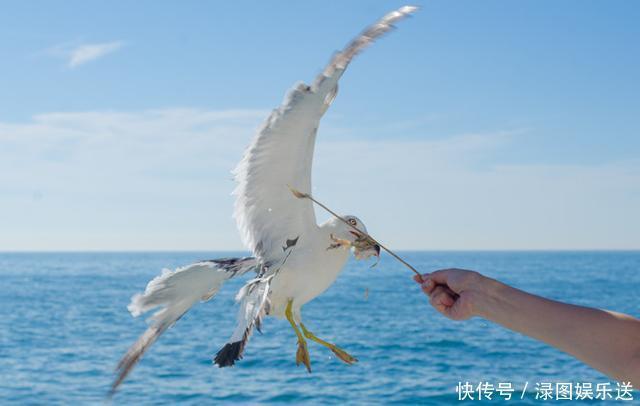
353, 222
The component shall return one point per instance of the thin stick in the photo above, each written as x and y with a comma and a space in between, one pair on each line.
301, 195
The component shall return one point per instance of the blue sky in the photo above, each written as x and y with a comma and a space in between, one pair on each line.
476, 125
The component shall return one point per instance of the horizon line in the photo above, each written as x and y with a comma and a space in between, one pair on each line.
159, 251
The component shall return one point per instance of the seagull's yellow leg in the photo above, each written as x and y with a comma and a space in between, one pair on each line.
340, 353
302, 355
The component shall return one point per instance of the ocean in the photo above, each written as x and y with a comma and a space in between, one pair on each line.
64, 325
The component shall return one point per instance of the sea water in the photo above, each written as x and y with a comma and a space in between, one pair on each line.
64, 325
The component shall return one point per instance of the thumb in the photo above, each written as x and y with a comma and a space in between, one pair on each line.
420, 278
440, 277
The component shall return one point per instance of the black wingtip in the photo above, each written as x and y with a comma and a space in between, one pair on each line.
229, 354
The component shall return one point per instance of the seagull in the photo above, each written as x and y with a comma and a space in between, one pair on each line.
294, 260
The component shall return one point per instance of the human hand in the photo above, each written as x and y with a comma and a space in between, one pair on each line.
453, 292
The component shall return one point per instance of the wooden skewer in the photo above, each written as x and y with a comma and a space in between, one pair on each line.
301, 195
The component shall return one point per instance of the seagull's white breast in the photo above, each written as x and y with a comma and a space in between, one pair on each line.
307, 273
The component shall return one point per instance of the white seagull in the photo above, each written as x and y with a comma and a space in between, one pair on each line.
294, 260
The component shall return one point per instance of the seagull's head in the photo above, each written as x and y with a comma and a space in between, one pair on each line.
353, 233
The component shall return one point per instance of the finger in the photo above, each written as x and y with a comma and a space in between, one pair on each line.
440, 277
420, 278
441, 308
428, 287
457, 312
452, 292
446, 300
440, 296
437, 290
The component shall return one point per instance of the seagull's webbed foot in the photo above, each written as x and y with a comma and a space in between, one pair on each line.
339, 352
302, 355
343, 355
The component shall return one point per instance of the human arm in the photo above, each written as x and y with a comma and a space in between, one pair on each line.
606, 340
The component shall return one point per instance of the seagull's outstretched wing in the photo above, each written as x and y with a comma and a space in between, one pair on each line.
269, 218
174, 293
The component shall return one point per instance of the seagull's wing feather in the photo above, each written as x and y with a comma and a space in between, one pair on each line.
267, 214
280, 155
338, 64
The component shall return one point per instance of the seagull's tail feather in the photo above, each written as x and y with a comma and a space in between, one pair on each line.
254, 305
175, 292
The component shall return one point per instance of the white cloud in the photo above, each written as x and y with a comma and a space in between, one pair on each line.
447, 194
148, 180
77, 55
160, 179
